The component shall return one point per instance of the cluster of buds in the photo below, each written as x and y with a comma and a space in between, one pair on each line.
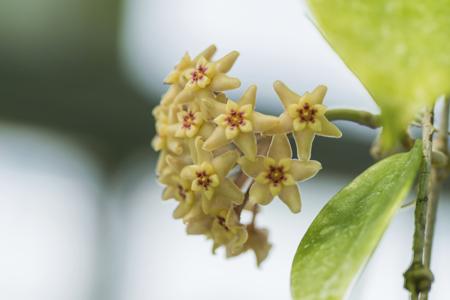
219, 157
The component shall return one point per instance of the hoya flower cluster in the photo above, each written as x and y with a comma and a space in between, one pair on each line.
219, 157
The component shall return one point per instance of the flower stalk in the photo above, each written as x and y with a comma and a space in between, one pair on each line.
360, 117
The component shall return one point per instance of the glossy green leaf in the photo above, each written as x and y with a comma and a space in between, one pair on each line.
399, 49
346, 231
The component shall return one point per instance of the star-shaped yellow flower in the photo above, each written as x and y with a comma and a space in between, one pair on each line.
226, 230
177, 187
208, 176
258, 242
207, 78
176, 76
277, 174
237, 122
164, 141
305, 117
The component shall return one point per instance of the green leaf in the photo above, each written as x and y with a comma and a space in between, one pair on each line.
346, 231
399, 49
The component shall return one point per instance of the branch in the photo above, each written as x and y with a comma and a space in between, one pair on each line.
418, 277
438, 175
360, 117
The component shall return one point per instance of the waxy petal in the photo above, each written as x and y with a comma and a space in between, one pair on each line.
263, 123
231, 132
302, 170
182, 209
225, 64
213, 108
207, 53
246, 142
230, 190
175, 163
252, 168
231, 105
225, 162
222, 82
328, 129
246, 126
169, 193
289, 180
280, 147
260, 193
275, 189
287, 96
201, 154
189, 172
290, 195
249, 97
304, 140
318, 94
216, 140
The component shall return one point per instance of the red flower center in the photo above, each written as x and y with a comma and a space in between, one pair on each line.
203, 179
276, 174
306, 113
235, 118
188, 120
198, 73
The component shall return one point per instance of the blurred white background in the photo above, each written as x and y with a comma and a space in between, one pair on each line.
69, 231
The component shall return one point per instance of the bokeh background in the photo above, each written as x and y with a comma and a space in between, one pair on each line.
80, 211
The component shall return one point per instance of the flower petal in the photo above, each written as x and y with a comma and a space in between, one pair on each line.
275, 189
189, 172
318, 94
251, 168
246, 142
328, 129
292, 111
225, 162
216, 140
286, 95
231, 105
231, 132
182, 209
222, 82
230, 190
304, 140
290, 195
249, 97
207, 53
212, 107
169, 193
280, 147
175, 163
260, 193
302, 170
184, 96
263, 123
246, 126
289, 180
220, 120
315, 126
225, 64
201, 154
262, 178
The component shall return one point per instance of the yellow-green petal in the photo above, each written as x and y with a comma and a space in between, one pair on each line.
290, 195
302, 170
304, 140
260, 193
280, 147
